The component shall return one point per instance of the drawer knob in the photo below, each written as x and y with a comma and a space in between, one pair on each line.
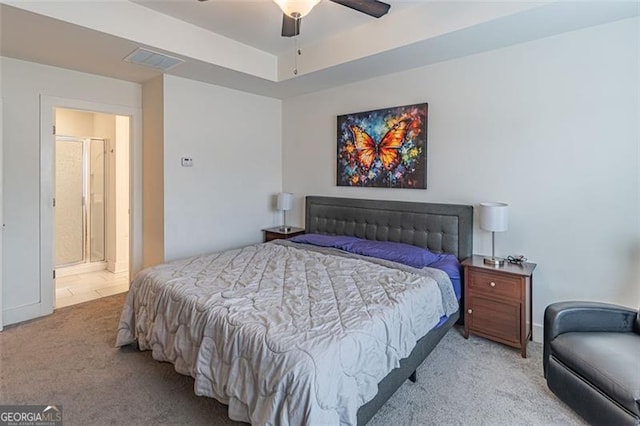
492, 284
470, 311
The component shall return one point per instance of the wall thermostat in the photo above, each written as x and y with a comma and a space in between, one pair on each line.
186, 161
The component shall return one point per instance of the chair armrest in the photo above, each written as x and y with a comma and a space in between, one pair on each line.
564, 317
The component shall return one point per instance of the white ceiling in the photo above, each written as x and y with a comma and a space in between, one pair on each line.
237, 43
258, 23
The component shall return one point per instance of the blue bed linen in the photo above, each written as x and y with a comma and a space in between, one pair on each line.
406, 254
322, 240
450, 264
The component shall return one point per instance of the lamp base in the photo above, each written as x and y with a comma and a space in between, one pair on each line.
494, 261
284, 228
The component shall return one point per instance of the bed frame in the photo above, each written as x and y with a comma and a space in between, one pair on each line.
440, 228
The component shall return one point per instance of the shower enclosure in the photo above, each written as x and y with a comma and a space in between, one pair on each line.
79, 201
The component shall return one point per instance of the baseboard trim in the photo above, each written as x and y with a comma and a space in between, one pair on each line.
82, 268
24, 313
117, 267
538, 333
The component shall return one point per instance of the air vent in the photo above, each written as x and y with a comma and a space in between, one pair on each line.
149, 58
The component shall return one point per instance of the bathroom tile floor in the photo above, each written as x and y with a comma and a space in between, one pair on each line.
83, 287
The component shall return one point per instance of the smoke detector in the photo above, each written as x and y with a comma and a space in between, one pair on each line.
149, 58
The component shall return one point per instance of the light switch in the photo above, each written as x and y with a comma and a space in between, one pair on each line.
187, 161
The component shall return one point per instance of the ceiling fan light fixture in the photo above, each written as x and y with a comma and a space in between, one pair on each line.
296, 8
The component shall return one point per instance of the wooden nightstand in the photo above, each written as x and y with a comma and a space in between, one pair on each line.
497, 301
277, 234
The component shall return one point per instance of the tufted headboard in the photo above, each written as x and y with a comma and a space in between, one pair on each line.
441, 228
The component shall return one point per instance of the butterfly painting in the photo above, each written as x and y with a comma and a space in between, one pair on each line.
383, 148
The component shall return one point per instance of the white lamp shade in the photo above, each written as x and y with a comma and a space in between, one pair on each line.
296, 8
285, 201
494, 216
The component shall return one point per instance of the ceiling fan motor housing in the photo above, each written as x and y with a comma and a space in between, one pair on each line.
294, 10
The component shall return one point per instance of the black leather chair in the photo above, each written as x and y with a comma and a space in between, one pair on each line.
592, 360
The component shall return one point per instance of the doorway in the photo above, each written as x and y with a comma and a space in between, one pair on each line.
91, 205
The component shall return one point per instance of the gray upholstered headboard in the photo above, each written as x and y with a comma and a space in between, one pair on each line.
441, 228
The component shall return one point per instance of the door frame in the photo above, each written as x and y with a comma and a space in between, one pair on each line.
48, 104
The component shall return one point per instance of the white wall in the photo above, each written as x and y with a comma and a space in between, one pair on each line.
1, 198
548, 126
234, 138
122, 193
23, 85
153, 173
70, 122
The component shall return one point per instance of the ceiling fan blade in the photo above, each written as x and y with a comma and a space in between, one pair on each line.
290, 26
373, 8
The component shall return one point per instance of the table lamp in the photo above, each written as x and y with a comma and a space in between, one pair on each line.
284, 203
494, 218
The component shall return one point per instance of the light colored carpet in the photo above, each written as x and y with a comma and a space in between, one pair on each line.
69, 359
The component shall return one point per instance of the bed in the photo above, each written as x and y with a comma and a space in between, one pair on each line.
290, 333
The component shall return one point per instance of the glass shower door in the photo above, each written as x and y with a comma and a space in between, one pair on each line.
69, 196
80, 200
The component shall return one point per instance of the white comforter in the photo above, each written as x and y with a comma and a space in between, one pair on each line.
284, 334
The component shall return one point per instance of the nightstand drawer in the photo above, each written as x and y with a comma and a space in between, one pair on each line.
492, 284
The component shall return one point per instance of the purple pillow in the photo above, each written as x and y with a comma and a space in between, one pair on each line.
451, 265
448, 263
336, 241
396, 252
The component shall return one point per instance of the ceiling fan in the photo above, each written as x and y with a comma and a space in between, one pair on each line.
295, 10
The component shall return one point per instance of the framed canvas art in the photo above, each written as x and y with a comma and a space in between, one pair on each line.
385, 148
